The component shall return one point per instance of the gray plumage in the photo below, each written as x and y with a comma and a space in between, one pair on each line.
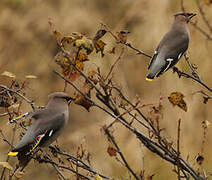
172, 46
48, 124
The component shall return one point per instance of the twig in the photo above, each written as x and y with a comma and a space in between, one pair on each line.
79, 161
20, 95
120, 153
117, 60
203, 32
202, 13
178, 149
50, 161
180, 73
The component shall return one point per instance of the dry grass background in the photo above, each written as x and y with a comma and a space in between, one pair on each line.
28, 47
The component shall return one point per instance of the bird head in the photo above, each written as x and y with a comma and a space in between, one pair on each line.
183, 16
61, 95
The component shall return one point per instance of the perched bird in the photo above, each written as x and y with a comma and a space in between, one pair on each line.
172, 46
48, 124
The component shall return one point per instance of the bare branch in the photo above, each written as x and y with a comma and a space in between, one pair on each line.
107, 132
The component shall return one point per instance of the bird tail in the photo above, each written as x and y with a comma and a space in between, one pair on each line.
12, 153
150, 77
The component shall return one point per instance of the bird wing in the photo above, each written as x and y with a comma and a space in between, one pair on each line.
41, 130
173, 48
153, 58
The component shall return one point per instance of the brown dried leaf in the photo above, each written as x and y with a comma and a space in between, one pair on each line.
99, 34
80, 99
67, 68
111, 151
122, 36
6, 165
99, 46
200, 159
74, 75
176, 98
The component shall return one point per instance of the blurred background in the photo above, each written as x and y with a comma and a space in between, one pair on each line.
28, 47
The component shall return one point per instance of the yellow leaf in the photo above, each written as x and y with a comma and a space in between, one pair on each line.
176, 98
8, 74
6, 165
85, 43
31, 77
80, 65
98, 177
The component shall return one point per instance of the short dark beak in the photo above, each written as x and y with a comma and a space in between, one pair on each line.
70, 99
191, 15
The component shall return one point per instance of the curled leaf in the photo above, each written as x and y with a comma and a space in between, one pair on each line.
176, 98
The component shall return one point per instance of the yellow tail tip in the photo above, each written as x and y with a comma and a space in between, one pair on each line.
147, 79
12, 153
